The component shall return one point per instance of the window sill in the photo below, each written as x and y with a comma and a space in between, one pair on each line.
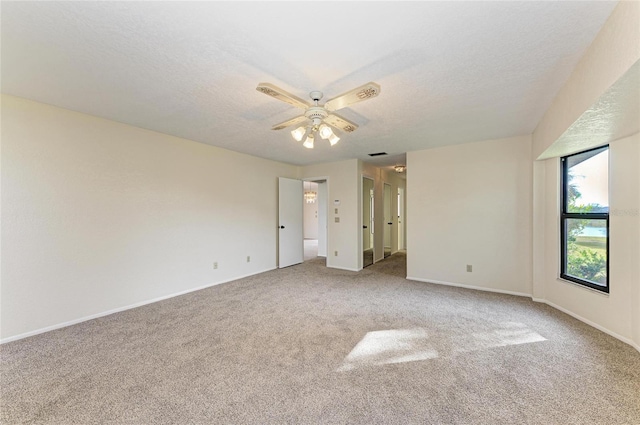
595, 291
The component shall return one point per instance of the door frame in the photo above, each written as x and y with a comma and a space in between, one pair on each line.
387, 222
402, 218
327, 206
372, 222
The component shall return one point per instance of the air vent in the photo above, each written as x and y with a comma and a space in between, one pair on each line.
378, 154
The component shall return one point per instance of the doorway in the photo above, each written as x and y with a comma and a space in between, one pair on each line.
367, 221
388, 220
401, 226
315, 220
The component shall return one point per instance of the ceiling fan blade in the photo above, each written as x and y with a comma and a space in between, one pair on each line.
342, 123
292, 121
282, 95
359, 94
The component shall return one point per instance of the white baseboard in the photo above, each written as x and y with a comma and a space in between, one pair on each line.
590, 323
344, 268
119, 309
539, 300
461, 285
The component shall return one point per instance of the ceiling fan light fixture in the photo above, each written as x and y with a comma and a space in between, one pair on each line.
319, 119
400, 168
325, 131
309, 142
298, 133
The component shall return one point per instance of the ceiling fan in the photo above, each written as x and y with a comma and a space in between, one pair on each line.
319, 119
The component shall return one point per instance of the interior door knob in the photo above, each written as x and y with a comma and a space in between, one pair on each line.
389, 223
282, 227
364, 227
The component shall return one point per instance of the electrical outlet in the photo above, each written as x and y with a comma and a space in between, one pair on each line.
337, 219
336, 211
215, 265
248, 258
335, 253
469, 268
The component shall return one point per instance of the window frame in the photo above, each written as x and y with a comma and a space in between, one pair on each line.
565, 216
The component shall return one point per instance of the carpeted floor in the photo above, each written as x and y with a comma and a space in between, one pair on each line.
307, 345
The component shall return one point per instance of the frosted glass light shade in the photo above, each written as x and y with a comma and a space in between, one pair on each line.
298, 133
333, 139
309, 142
325, 131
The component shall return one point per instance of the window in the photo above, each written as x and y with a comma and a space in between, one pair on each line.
584, 222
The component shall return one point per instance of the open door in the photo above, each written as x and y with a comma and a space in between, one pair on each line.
401, 219
367, 222
388, 220
290, 224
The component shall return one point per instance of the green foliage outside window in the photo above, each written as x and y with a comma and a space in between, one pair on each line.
584, 258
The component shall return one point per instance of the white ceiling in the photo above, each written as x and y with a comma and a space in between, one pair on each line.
450, 72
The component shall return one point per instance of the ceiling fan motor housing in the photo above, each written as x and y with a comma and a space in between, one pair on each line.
316, 114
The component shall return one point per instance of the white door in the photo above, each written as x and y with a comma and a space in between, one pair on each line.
290, 224
368, 221
401, 219
387, 220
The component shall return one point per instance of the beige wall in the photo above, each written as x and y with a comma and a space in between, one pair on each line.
342, 185
98, 216
616, 313
471, 204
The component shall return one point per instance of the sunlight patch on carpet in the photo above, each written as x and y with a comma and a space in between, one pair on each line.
392, 346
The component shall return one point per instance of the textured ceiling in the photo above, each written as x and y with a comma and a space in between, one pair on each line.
616, 114
450, 72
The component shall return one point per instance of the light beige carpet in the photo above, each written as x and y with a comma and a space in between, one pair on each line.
308, 345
